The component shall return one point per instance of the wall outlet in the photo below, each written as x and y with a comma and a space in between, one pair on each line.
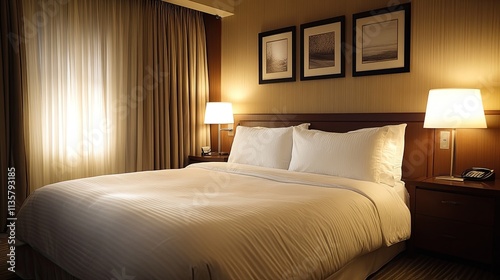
444, 140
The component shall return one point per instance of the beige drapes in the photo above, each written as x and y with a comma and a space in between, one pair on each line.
113, 86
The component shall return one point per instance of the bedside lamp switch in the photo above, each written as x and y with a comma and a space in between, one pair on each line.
231, 132
444, 140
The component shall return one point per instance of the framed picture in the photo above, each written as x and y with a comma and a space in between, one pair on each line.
381, 41
277, 56
322, 47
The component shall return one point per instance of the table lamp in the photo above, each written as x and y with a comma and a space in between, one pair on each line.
454, 108
219, 113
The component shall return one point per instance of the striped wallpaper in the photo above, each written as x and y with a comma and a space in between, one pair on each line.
453, 44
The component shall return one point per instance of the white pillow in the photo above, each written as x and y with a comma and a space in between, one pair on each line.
261, 146
357, 154
392, 157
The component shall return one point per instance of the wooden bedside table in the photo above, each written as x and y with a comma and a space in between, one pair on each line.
210, 158
461, 219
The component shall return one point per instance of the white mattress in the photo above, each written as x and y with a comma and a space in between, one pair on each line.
211, 221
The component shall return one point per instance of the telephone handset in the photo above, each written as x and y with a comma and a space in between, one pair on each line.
479, 174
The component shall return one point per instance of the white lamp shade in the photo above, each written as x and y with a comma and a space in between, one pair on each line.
454, 108
219, 113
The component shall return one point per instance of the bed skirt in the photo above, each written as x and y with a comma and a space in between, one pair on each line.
33, 265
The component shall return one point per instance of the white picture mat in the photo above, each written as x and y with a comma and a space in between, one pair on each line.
290, 42
308, 32
380, 19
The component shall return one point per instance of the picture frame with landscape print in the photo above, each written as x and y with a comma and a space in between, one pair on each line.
322, 45
381, 41
277, 55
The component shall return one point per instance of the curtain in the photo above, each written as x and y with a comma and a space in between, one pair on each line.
13, 176
113, 86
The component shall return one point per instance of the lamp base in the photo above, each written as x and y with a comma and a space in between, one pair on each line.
450, 178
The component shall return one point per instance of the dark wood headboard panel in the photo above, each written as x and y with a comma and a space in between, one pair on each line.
418, 154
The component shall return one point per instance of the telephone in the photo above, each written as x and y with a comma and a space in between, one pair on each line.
479, 174
206, 151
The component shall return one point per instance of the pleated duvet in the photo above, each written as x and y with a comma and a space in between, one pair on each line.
211, 221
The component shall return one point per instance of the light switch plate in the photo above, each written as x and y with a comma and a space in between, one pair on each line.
444, 140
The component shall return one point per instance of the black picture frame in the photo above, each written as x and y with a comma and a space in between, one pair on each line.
381, 41
327, 38
277, 56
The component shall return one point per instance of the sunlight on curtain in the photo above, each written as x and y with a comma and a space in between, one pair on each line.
66, 99
101, 93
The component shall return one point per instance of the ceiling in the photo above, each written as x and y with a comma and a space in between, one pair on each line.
217, 8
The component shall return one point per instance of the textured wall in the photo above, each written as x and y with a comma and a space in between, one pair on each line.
454, 43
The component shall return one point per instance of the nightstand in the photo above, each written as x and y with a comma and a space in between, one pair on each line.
209, 158
461, 219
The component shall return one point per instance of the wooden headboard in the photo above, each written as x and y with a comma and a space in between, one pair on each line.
418, 141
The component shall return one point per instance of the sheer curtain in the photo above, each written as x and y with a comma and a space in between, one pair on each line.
113, 86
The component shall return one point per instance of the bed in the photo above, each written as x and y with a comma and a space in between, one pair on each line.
283, 207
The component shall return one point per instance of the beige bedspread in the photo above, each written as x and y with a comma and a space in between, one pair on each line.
211, 221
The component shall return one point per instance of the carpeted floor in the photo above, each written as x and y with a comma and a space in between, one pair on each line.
404, 267
5, 274
426, 266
